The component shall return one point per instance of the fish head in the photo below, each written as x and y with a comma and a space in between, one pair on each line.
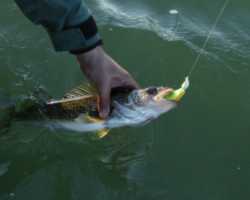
151, 94
158, 94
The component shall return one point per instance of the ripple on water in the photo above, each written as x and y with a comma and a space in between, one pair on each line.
183, 25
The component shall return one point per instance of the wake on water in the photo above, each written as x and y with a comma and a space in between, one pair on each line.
181, 26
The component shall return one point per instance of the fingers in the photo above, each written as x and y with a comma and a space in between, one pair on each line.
130, 82
105, 101
105, 96
133, 84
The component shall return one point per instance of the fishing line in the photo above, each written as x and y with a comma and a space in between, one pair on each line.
195, 64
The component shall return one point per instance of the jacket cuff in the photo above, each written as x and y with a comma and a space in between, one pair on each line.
77, 39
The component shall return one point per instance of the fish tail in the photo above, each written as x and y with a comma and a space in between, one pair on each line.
23, 107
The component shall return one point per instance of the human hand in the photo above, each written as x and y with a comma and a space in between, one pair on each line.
106, 75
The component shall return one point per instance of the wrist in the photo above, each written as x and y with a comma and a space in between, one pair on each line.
91, 58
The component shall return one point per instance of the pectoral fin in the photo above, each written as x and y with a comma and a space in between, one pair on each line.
101, 133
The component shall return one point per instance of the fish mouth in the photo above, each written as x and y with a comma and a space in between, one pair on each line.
163, 91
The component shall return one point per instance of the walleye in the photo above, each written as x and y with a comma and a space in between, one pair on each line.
78, 109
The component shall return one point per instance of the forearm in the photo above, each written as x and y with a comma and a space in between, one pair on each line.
68, 22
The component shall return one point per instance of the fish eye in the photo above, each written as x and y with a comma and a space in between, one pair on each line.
152, 91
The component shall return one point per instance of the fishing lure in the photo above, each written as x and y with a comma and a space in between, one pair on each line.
176, 95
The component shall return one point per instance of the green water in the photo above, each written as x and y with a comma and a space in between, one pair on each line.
199, 151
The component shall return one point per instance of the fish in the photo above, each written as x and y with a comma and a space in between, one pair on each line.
78, 109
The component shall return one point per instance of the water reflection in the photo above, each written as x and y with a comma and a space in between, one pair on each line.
73, 165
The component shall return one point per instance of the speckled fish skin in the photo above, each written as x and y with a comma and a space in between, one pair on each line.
72, 106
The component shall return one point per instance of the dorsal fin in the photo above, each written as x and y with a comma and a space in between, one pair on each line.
81, 90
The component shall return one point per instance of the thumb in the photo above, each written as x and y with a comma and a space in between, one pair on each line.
105, 102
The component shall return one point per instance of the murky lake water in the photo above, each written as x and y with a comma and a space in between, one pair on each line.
199, 151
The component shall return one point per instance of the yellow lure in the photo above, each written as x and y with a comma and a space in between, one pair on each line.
177, 95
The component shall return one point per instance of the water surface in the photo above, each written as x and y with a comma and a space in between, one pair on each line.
198, 151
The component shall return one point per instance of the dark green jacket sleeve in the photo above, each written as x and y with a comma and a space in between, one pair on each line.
68, 22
